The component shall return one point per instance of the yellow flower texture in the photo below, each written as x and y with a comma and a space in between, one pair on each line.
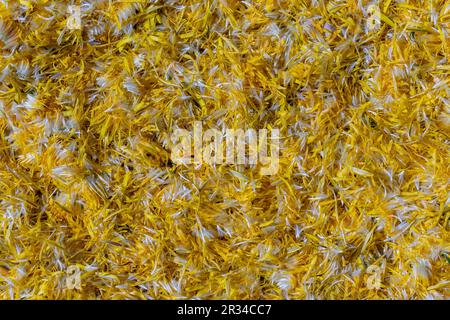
89, 98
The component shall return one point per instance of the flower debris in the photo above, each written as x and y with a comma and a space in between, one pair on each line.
89, 96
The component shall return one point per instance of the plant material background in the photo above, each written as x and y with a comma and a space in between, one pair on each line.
85, 171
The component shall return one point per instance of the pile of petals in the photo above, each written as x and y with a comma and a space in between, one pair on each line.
90, 94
